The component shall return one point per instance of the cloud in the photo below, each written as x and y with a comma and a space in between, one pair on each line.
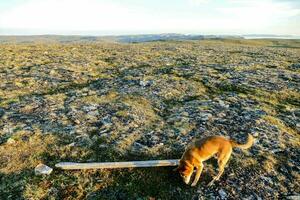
263, 13
93, 15
198, 2
74, 15
121, 17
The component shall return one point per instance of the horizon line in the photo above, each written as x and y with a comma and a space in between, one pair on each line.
161, 33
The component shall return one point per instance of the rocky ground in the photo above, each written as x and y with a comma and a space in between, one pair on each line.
87, 102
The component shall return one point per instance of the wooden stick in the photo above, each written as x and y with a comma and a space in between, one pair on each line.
149, 163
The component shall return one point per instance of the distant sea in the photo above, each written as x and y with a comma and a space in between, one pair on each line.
271, 37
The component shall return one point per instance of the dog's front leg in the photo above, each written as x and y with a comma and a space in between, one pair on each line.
198, 173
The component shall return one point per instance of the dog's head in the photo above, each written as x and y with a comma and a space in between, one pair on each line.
185, 170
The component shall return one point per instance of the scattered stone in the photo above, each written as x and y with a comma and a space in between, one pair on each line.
90, 108
138, 145
102, 146
93, 113
72, 144
222, 104
255, 134
106, 121
2, 112
205, 116
42, 169
145, 83
293, 197
267, 179
221, 115
222, 194
295, 66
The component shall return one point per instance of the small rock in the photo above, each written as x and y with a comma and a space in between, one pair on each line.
93, 113
106, 121
185, 114
102, 146
145, 83
221, 115
138, 145
52, 72
222, 194
53, 191
222, 104
258, 197
72, 144
267, 179
90, 108
276, 151
298, 126
205, 116
293, 197
2, 112
42, 169
154, 139
11, 141
255, 134
295, 66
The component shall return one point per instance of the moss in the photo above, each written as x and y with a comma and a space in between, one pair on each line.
24, 154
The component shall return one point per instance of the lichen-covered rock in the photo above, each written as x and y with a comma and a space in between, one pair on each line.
42, 169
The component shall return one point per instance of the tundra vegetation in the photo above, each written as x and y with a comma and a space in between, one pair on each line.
107, 101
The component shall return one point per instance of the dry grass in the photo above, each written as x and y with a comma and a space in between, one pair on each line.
278, 123
24, 154
95, 99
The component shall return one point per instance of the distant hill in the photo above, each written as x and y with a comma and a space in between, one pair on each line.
155, 37
47, 38
131, 38
118, 38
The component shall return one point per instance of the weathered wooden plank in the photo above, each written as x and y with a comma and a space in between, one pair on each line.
103, 165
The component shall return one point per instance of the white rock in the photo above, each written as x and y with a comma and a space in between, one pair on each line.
255, 134
145, 83
42, 169
72, 144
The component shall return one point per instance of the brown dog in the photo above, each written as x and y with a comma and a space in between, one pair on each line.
203, 149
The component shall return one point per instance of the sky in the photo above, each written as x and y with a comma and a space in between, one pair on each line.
117, 17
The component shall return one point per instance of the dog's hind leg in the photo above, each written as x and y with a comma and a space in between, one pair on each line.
198, 173
222, 161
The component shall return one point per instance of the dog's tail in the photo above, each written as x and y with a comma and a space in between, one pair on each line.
247, 145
